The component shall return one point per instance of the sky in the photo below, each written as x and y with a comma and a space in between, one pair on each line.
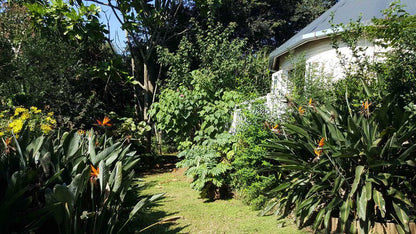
117, 35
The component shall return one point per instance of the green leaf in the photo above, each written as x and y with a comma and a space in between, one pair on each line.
91, 145
367, 89
79, 182
362, 204
344, 213
54, 177
379, 202
22, 160
71, 144
118, 179
103, 155
268, 208
103, 176
358, 172
131, 164
407, 152
333, 203
402, 215
62, 193
318, 219
369, 190
296, 129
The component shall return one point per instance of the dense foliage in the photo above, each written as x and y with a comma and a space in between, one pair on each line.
56, 57
208, 78
76, 182
252, 173
197, 101
350, 165
352, 157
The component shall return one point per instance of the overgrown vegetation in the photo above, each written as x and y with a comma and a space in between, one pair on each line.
352, 157
74, 182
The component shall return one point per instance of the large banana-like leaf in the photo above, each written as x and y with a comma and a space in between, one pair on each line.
71, 144
362, 203
295, 129
118, 177
103, 155
91, 144
79, 182
344, 213
401, 214
103, 176
379, 202
63, 194
358, 172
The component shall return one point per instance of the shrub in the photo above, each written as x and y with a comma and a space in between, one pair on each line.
38, 122
339, 163
74, 183
252, 173
209, 166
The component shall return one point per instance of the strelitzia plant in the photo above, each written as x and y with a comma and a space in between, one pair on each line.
354, 165
68, 184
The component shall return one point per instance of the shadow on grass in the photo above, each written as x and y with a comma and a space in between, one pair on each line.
147, 184
153, 217
155, 220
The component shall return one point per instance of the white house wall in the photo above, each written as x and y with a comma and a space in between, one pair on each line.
323, 60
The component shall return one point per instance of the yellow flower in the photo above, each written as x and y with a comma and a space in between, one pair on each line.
318, 152
1, 134
45, 128
25, 115
51, 120
16, 125
35, 110
301, 110
50, 113
81, 132
19, 110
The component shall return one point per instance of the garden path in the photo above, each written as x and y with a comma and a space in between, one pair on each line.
198, 215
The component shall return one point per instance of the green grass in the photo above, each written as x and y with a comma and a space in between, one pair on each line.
198, 215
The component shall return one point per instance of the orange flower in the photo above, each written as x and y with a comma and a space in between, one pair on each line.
275, 129
321, 143
94, 173
301, 110
105, 122
366, 105
7, 146
318, 152
8, 141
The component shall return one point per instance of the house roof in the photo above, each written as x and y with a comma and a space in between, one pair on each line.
344, 12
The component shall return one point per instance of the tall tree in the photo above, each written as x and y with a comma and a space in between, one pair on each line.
148, 24
265, 23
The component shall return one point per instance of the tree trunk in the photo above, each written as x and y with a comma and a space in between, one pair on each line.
146, 104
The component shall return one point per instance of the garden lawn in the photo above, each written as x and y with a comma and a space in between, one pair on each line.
200, 216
